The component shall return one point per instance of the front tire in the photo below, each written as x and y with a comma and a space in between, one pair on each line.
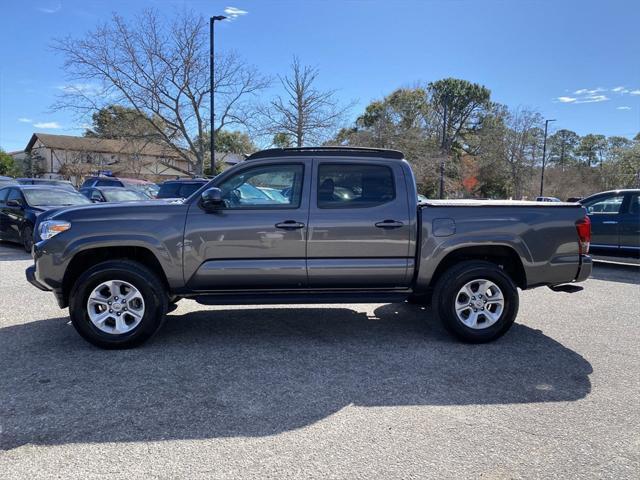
476, 301
117, 304
27, 238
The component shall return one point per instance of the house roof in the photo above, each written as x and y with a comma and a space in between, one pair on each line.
101, 145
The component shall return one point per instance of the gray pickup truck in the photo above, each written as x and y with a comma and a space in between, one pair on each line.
306, 225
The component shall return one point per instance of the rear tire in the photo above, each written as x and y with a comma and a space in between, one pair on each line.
478, 316
127, 279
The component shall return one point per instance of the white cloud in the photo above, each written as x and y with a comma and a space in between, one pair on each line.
566, 99
623, 108
592, 91
52, 7
25, 120
620, 90
233, 13
87, 89
47, 125
592, 99
635, 92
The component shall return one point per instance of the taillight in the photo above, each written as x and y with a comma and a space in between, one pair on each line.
584, 234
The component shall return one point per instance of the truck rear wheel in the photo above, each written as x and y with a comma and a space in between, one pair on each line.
476, 301
117, 304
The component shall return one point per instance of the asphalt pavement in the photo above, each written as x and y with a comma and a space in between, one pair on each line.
325, 391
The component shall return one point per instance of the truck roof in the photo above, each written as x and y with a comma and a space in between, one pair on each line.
327, 152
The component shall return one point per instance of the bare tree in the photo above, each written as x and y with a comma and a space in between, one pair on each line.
161, 69
521, 142
303, 112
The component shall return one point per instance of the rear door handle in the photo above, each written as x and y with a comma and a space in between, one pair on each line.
610, 222
389, 224
290, 225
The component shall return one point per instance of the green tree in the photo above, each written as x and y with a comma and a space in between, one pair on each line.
459, 106
226, 142
282, 140
8, 166
592, 148
117, 121
562, 147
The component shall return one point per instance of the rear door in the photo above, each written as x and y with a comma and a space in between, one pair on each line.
629, 226
254, 242
604, 213
359, 225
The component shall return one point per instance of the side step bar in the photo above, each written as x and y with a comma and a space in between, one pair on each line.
300, 298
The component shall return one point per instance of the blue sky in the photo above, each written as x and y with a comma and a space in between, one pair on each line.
575, 61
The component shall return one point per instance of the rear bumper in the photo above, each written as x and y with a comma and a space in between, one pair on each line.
586, 265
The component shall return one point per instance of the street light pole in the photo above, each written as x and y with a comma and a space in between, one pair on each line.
544, 154
211, 95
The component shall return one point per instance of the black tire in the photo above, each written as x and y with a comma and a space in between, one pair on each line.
446, 291
27, 237
148, 284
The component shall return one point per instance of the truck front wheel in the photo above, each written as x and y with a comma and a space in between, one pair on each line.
476, 301
117, 304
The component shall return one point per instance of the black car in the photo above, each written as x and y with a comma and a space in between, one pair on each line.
180, 188
113, 194
20, 206
46, 181
615, 220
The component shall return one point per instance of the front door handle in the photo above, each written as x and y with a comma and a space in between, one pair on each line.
610, 222
290, 225
389, 224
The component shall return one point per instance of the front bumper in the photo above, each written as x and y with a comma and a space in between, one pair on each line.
31, 278
586, 266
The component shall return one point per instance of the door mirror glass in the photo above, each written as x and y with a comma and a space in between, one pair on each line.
211, 199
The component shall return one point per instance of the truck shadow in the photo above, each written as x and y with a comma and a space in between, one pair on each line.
256, 372
617, 273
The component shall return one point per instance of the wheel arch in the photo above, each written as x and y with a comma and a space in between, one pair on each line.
85, 259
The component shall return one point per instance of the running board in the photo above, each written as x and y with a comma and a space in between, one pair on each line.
300, 298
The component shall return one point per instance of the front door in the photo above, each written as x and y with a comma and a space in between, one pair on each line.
258, 239
604, 213
359, 226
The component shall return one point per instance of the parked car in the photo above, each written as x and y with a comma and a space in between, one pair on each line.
422, 198
547, 199
148, 188
47, 181
118, 267
615, 220
4, 181
21, 205
180, 188
113, 194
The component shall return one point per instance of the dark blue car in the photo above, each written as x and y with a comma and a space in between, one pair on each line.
20, 206
615, 220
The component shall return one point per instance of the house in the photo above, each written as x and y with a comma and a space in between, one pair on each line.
70, 157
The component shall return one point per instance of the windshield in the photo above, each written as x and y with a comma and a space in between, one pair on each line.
123, 195
37, 197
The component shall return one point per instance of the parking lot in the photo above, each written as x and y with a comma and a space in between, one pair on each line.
335, 391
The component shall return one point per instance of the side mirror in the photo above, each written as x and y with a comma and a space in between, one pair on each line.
211, 199
14, 203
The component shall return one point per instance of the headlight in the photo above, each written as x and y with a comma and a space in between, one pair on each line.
50, 228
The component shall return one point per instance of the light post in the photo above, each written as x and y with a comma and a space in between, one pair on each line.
212, 135
544, 153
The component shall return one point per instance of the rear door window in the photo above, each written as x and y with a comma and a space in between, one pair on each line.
354, 185
169, 190
188, 188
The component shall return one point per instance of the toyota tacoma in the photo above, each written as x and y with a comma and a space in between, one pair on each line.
306, 225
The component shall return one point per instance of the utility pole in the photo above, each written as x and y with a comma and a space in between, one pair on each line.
212, 135
544, 154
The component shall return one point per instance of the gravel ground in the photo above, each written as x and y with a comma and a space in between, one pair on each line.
324, 391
